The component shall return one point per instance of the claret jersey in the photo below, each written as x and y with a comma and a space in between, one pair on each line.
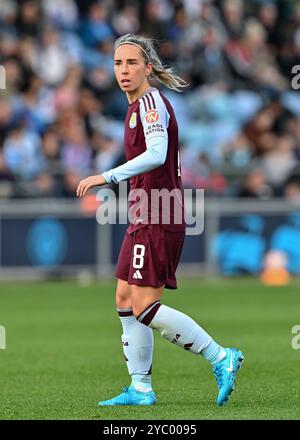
151, 120
153, 164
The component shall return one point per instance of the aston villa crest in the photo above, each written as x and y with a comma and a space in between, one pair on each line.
132, 122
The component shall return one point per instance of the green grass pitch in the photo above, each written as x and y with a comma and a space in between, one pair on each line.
64, 352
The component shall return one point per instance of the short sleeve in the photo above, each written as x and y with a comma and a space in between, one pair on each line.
154, 116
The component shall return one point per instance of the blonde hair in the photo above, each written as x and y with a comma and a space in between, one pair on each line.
162, 73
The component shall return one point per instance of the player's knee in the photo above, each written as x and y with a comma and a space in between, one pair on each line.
123, 301
123, 297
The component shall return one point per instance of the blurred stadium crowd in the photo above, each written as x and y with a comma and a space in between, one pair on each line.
62, 114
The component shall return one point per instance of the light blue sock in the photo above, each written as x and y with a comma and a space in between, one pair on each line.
213, 353
137, 340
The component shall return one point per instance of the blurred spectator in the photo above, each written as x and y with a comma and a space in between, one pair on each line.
260, 130
239, 152
6, 179
252, 61
209, 62
279, 162
233, 14
51, 150
268, 16
5, 174
107, 152
62, 13
256, 185
28, 22
8, 17
37, 106
292, 192
8, 46
126, 21
67, 94
22, 152
201, 174
70, 183
95, 28
51, 61
6, 116
76, 153
155, 15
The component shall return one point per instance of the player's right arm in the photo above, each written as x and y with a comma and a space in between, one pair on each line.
155, 155
155, 121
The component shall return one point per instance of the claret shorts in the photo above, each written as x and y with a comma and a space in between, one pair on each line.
149, 257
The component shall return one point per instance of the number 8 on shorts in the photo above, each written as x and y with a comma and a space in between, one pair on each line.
138, 256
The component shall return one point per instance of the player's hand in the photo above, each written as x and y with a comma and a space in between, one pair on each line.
89, 182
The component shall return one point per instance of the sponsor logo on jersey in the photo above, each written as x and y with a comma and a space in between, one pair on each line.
132, 121
154, 128
152, 116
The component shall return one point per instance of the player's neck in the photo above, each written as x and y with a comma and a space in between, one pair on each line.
138, 93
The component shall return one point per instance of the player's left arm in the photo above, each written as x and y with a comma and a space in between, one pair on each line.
156, 138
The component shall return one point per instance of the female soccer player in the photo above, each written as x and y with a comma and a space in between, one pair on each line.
151, 248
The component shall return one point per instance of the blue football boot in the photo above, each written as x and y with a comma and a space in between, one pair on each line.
225, 372
130, 396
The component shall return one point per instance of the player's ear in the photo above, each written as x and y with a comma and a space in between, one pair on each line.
148, 69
